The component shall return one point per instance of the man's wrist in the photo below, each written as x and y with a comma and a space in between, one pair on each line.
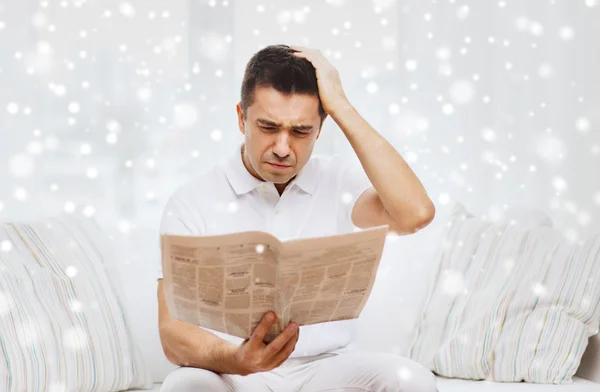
228, 358
343, 107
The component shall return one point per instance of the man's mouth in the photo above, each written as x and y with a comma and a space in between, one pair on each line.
278, 166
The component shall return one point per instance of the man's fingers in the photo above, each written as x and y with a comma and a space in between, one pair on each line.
298, 48
287, 350
261, 330
281, 340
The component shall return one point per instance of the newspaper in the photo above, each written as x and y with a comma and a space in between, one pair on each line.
228, 282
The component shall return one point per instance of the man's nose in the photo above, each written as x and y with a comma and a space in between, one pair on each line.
282, 145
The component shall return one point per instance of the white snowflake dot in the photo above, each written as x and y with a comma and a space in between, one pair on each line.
539, 289
69, 207
404, 373
185, 115
20, 194
536, 29
394, 108
85, 149
545, 71
21, 165
448, 109
71, 271
411, 65
6, 246
597, 198
89, 211
35, 148
127, 9
346, 197
372, 87
12, 108
76, 306
462, 91
91, 172
453, 283
443, 53
75, 339
216, 135
124, 227
559, 183
463, 12
566, 33
488, 135
58, 387
582, 124
444, 198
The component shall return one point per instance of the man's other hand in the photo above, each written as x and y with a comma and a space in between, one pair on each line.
254, 355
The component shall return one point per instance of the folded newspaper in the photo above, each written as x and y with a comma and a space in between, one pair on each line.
228, 282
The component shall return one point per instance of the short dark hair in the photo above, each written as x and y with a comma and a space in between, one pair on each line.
276, 66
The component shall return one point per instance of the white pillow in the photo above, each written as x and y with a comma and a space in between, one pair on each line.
506, 305
526, 216
402, 283
63, 326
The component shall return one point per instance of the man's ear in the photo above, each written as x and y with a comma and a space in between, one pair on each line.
241, 118
321, 127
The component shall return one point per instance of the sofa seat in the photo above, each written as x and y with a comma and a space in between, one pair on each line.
155, 388
457, 385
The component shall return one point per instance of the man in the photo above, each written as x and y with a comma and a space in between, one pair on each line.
272, 183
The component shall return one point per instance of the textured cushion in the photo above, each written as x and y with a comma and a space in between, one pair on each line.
62, 322
509, 303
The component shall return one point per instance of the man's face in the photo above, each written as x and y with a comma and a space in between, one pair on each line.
280, 132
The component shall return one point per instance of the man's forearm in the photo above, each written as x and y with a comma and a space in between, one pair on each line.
399, 188
188, 345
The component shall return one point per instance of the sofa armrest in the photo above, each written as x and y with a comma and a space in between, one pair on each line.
590, 362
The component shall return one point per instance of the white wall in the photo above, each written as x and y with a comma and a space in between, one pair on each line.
493, 103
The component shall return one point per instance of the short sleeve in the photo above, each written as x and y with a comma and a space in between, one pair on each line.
179, 219
353, 183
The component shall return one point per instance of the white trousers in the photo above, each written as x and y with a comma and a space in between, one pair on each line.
350, 371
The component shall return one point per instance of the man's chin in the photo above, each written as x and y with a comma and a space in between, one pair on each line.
275, 179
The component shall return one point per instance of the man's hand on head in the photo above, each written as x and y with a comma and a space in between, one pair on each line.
331, 93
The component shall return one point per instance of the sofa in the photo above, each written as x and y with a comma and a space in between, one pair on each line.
78, 307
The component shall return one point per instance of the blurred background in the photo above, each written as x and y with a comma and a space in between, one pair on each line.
107, 106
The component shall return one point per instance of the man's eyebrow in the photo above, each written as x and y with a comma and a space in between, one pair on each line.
270, 123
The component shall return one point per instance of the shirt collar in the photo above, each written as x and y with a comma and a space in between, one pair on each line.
242, 181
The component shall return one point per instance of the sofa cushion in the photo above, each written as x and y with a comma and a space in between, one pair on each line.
62, 320
509, 303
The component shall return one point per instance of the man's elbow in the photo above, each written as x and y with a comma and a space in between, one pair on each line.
420, 220
425, 216
165, 332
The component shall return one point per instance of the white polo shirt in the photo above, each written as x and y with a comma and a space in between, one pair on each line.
318, 202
